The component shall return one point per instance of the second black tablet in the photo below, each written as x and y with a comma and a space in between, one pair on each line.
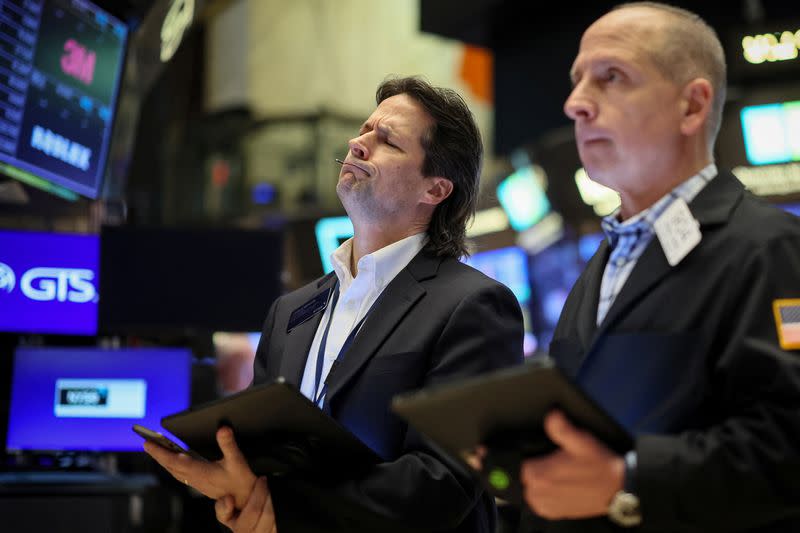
504, 410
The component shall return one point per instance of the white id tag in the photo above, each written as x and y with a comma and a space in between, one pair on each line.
678, 231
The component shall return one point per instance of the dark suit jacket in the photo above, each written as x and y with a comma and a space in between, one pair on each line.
436, 321
688, 360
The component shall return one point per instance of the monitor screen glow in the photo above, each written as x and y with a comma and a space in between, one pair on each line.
772, 133
509, 266
87, 399
49, 282
59, 74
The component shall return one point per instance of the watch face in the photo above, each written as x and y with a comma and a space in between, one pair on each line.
624, 510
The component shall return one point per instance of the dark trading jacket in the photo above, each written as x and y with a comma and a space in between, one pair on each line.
688, 359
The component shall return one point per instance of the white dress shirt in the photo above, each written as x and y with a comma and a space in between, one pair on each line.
356, 296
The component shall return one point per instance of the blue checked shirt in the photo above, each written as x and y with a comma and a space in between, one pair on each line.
629, 239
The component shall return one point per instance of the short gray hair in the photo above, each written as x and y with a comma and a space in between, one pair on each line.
690, 48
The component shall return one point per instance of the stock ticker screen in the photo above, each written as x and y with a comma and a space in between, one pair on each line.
60, 68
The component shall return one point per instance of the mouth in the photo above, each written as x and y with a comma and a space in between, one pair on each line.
584, 138
348, 163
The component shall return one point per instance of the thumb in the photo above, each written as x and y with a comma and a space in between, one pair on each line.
569, 438
224, 509
230, 450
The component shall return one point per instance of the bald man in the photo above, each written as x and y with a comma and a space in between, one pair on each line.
684, 324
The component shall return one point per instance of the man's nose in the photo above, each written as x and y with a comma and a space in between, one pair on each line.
579, 104
358, 148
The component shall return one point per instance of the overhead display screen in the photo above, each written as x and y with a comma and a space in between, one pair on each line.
60, 68
771, 133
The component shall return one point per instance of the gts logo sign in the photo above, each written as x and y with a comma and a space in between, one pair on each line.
46, 284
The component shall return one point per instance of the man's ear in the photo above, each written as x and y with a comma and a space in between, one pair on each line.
698, 97
438, 189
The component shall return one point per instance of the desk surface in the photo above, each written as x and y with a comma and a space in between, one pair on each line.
74, 482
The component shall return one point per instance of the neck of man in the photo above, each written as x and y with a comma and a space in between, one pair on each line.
652, 189
369, 238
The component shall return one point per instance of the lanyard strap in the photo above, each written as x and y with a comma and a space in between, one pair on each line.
319, 392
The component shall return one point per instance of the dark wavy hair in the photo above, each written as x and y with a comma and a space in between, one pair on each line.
453, 150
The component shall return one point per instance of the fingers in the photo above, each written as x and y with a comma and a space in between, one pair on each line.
474, 458
255, 508
180, 465
225, 510
569, 438
257, 516
201, 475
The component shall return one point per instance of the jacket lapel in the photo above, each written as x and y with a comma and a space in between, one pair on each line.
712, 205
586, 320
651, 267
392, 305
298, 341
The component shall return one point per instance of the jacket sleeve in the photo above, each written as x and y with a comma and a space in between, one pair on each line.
744, 470
260, 370
423, 490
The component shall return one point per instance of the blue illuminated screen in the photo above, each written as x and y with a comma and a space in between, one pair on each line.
509, 266
523, 198
588, 245
330, 233
791, 208
87, 399
771, 133
48, 282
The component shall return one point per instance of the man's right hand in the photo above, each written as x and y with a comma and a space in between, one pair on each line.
231, 475
257, 516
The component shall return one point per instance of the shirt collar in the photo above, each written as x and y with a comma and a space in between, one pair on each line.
642, 222
381, 266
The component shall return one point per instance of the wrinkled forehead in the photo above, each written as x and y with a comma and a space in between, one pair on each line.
627, 34
402, 115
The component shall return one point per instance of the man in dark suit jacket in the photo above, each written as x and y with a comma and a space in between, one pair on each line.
400, 312
684, 326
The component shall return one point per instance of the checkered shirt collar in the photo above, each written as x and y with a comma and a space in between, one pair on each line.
642, 223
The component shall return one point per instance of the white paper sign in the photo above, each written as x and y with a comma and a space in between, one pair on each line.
678, 231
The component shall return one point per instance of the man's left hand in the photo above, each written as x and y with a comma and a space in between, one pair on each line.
577, 481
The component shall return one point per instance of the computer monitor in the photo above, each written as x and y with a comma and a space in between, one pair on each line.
507, 265
771, 132
48, 282
87, 399
166, 280
60, 73
553, 272
331, 232
523, 198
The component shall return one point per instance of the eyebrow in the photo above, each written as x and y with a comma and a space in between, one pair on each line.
598, 63
384, 129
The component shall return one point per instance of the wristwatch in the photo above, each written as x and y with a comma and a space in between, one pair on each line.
624, 509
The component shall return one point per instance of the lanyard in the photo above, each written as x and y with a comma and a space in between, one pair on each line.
319, 393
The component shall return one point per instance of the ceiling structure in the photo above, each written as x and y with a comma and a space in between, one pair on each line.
534, 47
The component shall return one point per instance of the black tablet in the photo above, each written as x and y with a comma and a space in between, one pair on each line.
278, 429
504, 410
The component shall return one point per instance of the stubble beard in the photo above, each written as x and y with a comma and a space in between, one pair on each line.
358, 199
